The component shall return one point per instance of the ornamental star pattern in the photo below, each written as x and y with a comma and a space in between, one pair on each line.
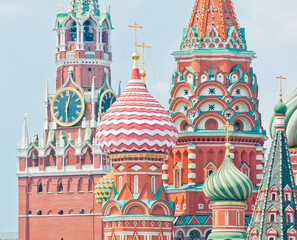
237, 108
212, 91
238, 91
211, 107
186, 92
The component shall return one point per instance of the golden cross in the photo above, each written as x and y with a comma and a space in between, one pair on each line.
143, 47
135, 26
227, 125
281, 78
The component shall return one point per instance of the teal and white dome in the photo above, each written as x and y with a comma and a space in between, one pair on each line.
290, 120
228, 183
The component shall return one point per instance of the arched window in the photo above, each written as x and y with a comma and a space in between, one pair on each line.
272, 217
61, 212
290, 218
237, 219
238, 125
135, 184
211, 74
60, 186
29, 212
180, 235
70, 185
90, 185
82, 211
120, 183
273, 196
153, 184
195, 235
39, 187
210, 171
271, 238
226, 218
88, 32
39, 212
73, 32
80, 184
49, 187
177, 178
207, 234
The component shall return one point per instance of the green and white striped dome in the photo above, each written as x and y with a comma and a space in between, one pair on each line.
290, 120
227, 183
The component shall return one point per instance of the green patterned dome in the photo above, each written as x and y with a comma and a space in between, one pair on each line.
227, 183
280, 107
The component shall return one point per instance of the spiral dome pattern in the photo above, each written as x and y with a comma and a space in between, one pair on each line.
136, 122
228, 183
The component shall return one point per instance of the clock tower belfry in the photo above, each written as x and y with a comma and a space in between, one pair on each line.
84, 42
57, 170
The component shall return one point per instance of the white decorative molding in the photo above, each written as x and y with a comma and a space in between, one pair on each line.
259, 157
165, 167
232, 155
259, 167
192, 175
136, 168
164, 176
192, 165
259, 148
191, 146
259, 176
121, 168
192, 156
153, 168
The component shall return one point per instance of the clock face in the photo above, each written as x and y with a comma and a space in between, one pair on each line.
108, 97
67, 107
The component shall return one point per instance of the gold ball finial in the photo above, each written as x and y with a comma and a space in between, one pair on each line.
25, 116
143, 73
135, 56
227, 145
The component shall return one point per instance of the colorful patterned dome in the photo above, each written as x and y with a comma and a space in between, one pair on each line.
290, 120
280, 107
103, 188
136, 122
227, 183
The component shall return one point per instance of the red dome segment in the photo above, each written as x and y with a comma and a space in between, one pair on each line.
136, 122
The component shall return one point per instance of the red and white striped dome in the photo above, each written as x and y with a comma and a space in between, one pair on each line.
136, 122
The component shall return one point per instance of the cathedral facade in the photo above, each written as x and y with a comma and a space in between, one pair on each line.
124, 168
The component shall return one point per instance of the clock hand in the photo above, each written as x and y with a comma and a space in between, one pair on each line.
66, 108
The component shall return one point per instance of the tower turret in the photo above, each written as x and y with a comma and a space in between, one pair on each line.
228, 189
213, 83
137, 132
84, 42
275, 215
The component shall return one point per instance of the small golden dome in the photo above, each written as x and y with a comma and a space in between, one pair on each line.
143, 73
135, 56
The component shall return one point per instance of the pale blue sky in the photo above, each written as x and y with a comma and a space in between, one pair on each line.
27, 45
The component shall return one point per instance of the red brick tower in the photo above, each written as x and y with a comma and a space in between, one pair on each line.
57, 171
137, 132
213, 83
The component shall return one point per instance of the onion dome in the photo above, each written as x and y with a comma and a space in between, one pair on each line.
280, 107
136, 121
103, 188
290, 120
227, 183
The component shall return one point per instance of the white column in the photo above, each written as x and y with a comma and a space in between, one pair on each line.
63, 40
82, 38
57, 41
100, 39
77, 37
109, 40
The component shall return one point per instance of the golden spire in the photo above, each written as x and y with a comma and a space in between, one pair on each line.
281, 78
227, 145
135, 55
143, 72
